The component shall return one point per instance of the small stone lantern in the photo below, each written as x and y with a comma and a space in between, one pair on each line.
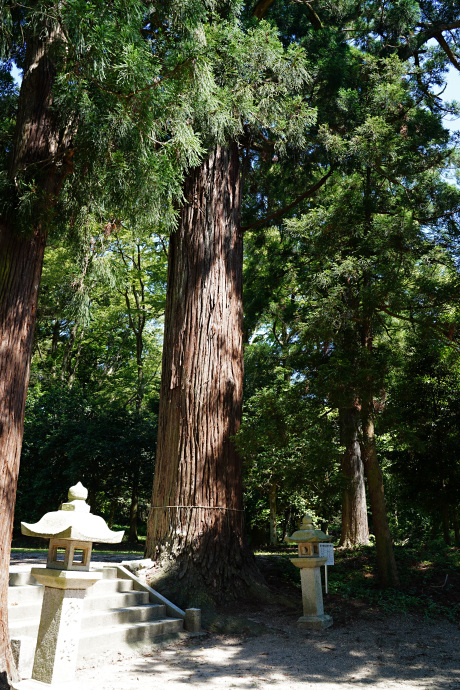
309, 561
71, 531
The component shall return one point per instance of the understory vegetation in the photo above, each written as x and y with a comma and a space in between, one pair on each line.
329, 256
429, 573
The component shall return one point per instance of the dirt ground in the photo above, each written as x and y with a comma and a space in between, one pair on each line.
359, 651
395, 652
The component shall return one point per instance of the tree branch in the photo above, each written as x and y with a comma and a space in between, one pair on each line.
313, 17
424, 36
446, 48
261, 7
296, 202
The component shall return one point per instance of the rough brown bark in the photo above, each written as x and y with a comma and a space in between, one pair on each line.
38, 145
355, 529
196, 518
386, 564
21, 262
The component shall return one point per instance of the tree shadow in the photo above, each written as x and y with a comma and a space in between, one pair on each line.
387, 653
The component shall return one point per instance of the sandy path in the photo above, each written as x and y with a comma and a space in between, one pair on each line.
404, 653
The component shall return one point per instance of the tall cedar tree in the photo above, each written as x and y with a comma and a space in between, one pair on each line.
195, 527
90, 66
39, 145
401, 30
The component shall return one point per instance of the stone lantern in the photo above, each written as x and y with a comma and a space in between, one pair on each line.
66, 577
309, 561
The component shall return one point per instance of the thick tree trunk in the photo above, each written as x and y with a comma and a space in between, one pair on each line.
196, 517
272, 501
21, 263
386, 564
355, 529
37, 147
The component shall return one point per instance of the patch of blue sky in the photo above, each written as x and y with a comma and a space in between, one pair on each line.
17, 74
452, 93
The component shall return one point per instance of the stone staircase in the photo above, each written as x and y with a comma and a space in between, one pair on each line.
120, 612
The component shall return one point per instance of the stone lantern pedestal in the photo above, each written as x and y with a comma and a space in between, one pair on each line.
309, 561
313, 617
59, 631
67, 576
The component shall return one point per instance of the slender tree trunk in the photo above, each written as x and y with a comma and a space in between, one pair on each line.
386, 564
456, 526
74, 367
55, 338
137, 324
38, 147
445, 515
134, 509
355, 529
69, 349
113, 507
272, 501
286, 521
196, 517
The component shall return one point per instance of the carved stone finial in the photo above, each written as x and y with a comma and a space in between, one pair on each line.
307, 522
77, 499
77, 493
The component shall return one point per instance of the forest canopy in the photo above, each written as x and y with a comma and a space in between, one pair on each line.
201, 180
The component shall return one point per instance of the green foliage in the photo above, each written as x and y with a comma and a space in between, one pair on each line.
93, 399
353, 294
69, 438
332, 294
286, 443
430, 573
423, 415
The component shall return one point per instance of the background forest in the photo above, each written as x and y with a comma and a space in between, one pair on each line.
350, 214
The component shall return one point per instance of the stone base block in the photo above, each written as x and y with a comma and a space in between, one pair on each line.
192, 621
23, 649
315, 622
31, 684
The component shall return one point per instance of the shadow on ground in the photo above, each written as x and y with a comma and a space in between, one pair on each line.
393, 653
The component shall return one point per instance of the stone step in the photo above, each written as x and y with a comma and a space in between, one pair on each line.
124, 637
119, 612
112, 617
115, 600
25, 577
109, 573
33, 593
109, 586
18, 612
25, 594
23, 612
27, 623
21, 578
24, 628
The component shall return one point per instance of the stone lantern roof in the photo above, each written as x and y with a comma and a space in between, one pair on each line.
73, 521
308, 533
